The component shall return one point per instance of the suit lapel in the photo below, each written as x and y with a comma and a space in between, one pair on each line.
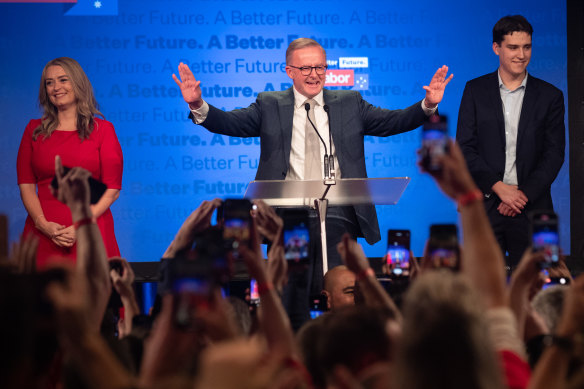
286, 115
494, 95
332, 100
529, 99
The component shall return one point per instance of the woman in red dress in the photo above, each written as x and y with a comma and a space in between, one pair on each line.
69, 128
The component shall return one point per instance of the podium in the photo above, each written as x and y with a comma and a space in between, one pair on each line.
319, 194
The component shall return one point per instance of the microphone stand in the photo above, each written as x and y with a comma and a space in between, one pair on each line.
321, 204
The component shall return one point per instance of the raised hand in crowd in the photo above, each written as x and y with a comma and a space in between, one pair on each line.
278, 266
79, 336
271, 227
73, 190
267, 221
523, 280
274, 321
23, 255
169, 351
123, 281
353, 256
198, 221
483, 260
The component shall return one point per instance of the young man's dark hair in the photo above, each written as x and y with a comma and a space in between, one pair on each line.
510, 24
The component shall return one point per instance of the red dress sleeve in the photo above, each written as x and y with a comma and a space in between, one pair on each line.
110, 155
24, 170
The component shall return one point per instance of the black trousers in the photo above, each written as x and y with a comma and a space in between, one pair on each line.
512, 233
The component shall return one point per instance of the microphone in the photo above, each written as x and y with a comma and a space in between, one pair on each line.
331, 158
326, 158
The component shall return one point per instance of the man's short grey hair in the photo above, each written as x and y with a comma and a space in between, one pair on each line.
548, 304
301, 43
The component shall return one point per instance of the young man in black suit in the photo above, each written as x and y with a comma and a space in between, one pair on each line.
511, 131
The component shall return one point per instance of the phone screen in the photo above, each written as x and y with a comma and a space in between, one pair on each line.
318, 305
236, 221
254, 295
443, 250
545, 236
434, 141
190, 294
397, 256
296, 238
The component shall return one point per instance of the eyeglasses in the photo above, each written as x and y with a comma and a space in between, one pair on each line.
306, 70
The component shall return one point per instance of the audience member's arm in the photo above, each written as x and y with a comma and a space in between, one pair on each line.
168, 349
244, 364
552, 369
198, 221
124, 285
483, 259
273, 318
267, 221
526, 274
77, 333
23, 255
91, 255
355, 259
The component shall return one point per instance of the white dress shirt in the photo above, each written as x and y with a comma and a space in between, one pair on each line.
512, 103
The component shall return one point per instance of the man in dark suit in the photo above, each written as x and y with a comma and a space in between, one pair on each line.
511, 131
281, 122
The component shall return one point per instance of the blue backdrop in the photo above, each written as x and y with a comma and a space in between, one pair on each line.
129, 49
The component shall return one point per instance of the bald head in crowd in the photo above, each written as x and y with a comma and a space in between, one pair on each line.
339, 287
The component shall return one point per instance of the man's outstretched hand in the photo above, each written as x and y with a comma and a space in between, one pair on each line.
435, 91
189, 86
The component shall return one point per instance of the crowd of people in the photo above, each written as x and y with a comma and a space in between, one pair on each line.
72, 319
465, 329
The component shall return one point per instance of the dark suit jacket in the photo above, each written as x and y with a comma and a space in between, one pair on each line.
540, 137
351, 118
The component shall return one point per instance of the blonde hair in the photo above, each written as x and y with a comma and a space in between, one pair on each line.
87, 106
445, 341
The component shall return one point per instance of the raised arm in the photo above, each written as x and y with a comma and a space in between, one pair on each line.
355, 259
435, 90
91, 256
273, 318
483, 259
189, 86
197, 221
79, 335
124, 285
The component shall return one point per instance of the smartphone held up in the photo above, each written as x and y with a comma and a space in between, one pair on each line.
443, 251
434, 142
545, 236
397, 257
